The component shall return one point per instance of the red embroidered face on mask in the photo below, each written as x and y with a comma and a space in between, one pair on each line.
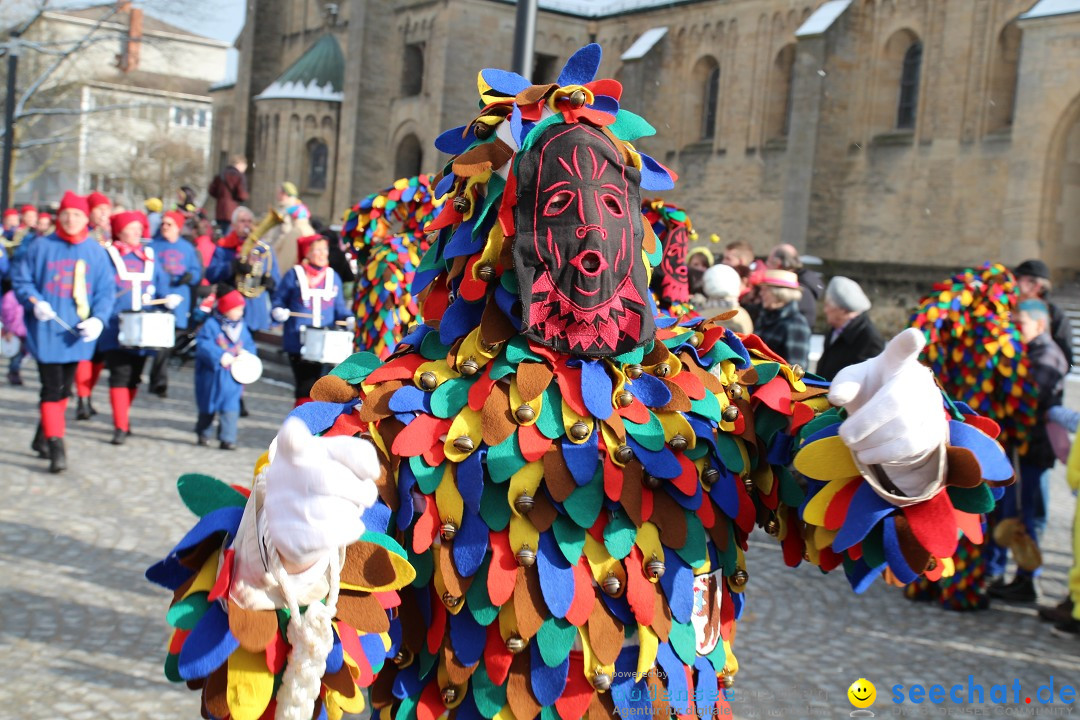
674, 279
577, 252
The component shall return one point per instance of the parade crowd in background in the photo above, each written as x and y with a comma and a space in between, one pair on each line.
90, 286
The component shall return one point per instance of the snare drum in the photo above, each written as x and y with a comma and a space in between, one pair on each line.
246, 368
325, 345
10, 345
147, 329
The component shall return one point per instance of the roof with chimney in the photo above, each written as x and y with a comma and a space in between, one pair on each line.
319, 74
110, 17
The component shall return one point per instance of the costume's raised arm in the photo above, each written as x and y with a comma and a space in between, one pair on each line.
894, 478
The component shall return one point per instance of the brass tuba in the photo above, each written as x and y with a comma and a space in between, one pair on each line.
258, 255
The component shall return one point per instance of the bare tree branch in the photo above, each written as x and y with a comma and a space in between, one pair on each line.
26, 144
80, 111
21, 104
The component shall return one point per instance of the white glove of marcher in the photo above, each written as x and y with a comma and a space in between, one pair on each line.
227, 359
317, 488
895, 420
90, 329
280, 314
43, 311
350, 323
172, 301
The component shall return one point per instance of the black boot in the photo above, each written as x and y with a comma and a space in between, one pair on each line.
243, 408
1061, 612
57, 456
1022, 589
119, 436
39, 445
84, 411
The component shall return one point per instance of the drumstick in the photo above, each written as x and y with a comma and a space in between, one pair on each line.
159, 301
61, 323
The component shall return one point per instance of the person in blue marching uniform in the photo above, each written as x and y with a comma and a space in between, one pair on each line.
309, 294
232, 260
140, 278
222, 338
182, 264
67, 287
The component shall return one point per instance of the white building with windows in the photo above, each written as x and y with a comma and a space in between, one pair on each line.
128, 113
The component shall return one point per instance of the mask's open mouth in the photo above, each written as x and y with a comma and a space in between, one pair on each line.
590, 263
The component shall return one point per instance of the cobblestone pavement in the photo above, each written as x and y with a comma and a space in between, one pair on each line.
82, 634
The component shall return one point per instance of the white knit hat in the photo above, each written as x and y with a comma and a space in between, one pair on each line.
721, 281
846, 294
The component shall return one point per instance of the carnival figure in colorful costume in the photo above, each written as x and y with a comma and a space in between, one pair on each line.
975, 349
551, 515
386, 230
670, 280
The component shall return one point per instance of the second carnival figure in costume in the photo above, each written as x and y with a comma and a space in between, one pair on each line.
539, 504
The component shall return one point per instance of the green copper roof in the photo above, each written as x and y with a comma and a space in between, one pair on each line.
319, 74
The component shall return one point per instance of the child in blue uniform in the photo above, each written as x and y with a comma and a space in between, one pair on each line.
182, 264
309, 294
139, 278
221, 339
63, 280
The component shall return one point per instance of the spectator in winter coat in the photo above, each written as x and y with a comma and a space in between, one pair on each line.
230, 191
1033, 282
786, 257
722, 285
781, 325
852, 336
1027, 499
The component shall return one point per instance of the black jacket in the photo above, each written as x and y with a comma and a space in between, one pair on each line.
1061, 331
858, 341
1048, 369
813, 288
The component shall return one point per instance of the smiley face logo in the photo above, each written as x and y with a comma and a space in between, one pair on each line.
862, 693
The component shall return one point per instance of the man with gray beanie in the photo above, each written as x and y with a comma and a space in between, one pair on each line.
852, 337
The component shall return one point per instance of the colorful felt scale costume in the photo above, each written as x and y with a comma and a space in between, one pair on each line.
670, 281
571, 477
388, 239
976, 350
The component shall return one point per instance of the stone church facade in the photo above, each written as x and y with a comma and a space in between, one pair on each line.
910, 132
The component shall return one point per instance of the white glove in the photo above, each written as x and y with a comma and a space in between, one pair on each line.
895, 419
227, 359
350, 323
280, 314
90, 329
43, 311
173, 301
317, 488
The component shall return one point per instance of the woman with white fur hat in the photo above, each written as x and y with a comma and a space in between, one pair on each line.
853, 337
722, 284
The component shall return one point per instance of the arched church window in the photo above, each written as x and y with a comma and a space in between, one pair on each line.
318, 155
908, 105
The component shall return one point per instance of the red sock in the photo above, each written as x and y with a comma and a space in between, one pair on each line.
121, 403
52, 418
83, 382
95, 373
